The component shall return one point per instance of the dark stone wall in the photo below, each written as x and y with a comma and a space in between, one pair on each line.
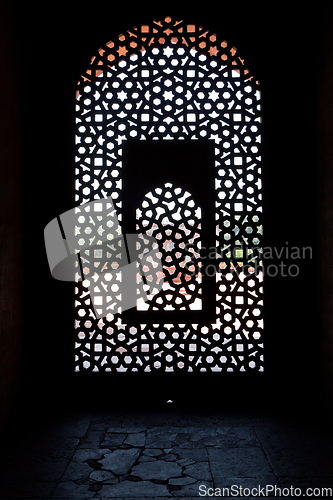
325, 208
11, 324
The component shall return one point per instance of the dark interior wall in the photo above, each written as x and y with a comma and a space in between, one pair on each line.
11, 334
52, 48
325, 226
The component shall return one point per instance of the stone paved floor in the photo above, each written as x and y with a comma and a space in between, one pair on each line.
161, 455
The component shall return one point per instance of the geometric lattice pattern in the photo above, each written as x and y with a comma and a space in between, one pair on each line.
169, 81
172, 217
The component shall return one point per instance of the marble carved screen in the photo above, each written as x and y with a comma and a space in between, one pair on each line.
168, 125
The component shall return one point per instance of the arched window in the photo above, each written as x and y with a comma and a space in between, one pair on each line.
168, 124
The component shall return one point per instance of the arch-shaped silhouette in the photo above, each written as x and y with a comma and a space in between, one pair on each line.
173, 81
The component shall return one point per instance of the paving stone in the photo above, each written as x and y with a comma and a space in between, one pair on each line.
233, 485
148, 497
114, 439
170, 457
103, 475
120, 461
196, 454
233, 418
130, 489
137, 439
127, 429
181, 481
191, 490
236, 437
296, 452
146, 458
37, 463
200, 470
162, 437
185, 461
145, 497
92, 439
101, 424
196, 437
89, 454
76, 470
70, 490
152, 452
238, 462
205, 419
307, 482
157, 470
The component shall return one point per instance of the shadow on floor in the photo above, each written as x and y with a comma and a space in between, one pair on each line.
166, 453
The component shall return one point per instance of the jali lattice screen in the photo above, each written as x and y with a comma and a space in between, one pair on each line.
174, 81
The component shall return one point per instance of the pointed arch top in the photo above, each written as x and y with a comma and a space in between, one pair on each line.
165, 32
